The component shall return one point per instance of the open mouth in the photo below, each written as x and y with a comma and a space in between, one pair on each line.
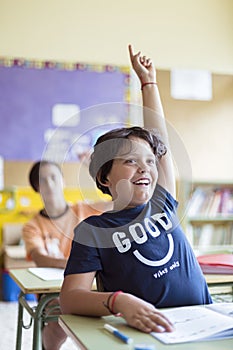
144, 182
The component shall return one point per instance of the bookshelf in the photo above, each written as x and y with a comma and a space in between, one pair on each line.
209, 216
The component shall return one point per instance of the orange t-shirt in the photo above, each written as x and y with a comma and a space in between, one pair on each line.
55, 234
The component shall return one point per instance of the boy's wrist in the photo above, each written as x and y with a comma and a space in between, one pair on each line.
115, 302
144, 78
111, 303
148, 83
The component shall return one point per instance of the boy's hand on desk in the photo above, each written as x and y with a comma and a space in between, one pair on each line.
142, 315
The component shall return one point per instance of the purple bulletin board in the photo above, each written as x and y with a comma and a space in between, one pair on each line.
29, 90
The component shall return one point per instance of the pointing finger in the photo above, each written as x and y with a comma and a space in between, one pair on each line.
131, 52
132, 55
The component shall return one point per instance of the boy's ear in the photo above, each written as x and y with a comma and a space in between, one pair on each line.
103, 182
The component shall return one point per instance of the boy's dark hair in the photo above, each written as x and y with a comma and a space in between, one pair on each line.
34, 175
108, 145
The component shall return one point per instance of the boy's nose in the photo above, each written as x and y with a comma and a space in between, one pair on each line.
49, 184
142, 168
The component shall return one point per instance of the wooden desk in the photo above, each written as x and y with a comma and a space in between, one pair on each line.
31, 284
88, 333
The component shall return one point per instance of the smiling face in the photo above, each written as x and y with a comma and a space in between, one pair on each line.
133, 176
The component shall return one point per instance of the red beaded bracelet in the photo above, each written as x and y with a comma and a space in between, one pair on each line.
148, 83
107, 304
114, 299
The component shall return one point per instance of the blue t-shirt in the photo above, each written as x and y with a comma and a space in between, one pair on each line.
142, 251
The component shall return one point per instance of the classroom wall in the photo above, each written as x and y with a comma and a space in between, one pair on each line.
176, 34
205, 128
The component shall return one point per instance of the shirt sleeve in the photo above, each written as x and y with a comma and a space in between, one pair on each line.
84, 256
164, 199
84, 210
32, 237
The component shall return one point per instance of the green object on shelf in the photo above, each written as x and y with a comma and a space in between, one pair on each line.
7, 200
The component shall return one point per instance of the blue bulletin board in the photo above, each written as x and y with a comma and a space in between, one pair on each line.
34, 94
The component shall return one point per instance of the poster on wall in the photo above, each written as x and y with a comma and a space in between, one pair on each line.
57, 110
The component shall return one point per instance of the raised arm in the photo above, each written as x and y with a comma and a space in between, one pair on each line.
76, 296
153, 114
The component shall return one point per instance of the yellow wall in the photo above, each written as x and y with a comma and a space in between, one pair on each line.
26, 202
176, 33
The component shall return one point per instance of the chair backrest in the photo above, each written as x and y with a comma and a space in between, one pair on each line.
99, 284
12, 233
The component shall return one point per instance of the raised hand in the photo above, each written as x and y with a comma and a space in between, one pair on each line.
143, 66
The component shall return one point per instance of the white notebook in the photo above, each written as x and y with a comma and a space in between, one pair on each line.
47, 273
198, 323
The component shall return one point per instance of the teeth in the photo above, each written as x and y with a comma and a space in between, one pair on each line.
144, 182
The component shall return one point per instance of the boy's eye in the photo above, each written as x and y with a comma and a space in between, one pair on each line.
151, 161
130, 161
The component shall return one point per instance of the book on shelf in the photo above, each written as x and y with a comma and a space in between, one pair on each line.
216, 263
206, 236
211, 202
196, 201
214, 207
209, 234
198, 323
216, 235
226, 204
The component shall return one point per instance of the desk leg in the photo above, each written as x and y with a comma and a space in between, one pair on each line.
19, 326
39, 319
37, 336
